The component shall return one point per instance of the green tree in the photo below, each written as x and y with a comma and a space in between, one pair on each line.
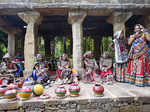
3, 44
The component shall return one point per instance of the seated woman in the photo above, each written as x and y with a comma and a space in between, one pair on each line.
105, 64
8, 66
42, 63
64, 70
90, 66
5, 64
17, 64
38, 75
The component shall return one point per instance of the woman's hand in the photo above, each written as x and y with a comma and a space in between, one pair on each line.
131, 39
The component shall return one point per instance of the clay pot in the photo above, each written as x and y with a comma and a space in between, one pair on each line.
4, 81
11, 93
60, 91
19, 83
25, 92
74, 89
38, 89
3, 89
98, 90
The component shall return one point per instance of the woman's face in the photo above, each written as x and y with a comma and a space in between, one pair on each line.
91, 55
36, 67
137, 29
64, 57
6, 59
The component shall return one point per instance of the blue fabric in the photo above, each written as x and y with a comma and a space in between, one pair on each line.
19, 69
33, 76
149, 48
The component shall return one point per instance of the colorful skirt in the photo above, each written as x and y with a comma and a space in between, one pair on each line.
119, 71
138, 71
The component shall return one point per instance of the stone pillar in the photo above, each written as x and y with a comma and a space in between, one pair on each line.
32, 19
76, 18
118, 20
11, 44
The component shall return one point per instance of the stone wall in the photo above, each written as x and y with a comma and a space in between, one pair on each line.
116, 4
85, 105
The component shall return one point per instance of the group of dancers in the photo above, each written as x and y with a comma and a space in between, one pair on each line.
131, 63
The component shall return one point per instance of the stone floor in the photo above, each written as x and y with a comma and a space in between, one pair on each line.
119, 97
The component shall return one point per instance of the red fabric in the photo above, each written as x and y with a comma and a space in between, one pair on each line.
58, 74
140, 65
104, 74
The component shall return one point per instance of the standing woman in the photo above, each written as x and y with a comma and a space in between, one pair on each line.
139, 67
121, 56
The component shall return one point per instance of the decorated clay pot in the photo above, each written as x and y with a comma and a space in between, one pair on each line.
11, 93
4, 81
19, 83
25, 92
38, 89
74, 89
98, 89
60, 91
3, 89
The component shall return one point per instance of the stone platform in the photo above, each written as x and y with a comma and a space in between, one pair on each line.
119, 97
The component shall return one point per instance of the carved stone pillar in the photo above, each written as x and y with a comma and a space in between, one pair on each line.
76, 18
118, 20
32, 19
11, 44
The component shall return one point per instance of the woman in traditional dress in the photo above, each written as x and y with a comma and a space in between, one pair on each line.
105, 64
121, 56
90, 66
38, 75
64, 69
139, 67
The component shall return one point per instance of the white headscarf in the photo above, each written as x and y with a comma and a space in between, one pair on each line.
6, 56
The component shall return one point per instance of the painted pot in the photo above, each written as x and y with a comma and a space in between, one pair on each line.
98, 90
4, 81
74, 89
25, 92
38, 89
11, 93
60, 91
19, 83
3, 89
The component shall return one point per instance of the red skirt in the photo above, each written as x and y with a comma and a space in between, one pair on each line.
138, 71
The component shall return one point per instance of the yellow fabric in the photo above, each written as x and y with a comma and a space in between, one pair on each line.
74, 71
